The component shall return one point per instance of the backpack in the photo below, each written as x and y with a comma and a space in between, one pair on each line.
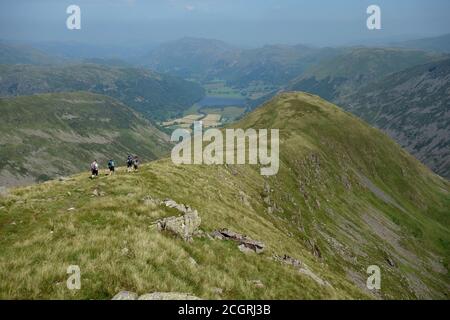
110, 164
92, 166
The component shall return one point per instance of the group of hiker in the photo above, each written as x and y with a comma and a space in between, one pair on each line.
132, 164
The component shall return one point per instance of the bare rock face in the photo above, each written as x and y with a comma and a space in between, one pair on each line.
125, 295
245, 243
168, 296
184, 226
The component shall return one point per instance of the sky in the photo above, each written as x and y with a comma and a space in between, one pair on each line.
240, 22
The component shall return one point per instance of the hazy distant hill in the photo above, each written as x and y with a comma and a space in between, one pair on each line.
22, 54
346, 197
438, 44
356, 67
191, 57
48, 135
207, 59
273, 65
413, 107
155, 95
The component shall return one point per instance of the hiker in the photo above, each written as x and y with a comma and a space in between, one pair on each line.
94, 169
111, 166
136, 163
129, 162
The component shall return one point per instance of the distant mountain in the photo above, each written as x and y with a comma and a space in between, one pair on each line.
346, 197
155, 95
191, 57
438, 44
273, 65
413, 107
23, 54
74, 50
356, 67
208, 59
49, 135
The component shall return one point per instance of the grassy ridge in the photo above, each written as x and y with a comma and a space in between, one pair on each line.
346, 197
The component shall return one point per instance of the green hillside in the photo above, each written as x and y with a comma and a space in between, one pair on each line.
346, 197
356, 67
156, 96
412, 106
50, 135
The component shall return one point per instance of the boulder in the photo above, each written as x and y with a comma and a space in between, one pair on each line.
245, 243
125, 295
184, 226
172, 204
242, 248
168, 296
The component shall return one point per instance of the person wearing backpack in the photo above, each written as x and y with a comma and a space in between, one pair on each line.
129, 163
94, 169
111, 166
136, 163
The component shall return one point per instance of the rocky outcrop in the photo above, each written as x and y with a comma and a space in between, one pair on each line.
127, 295
184, 226
245, 243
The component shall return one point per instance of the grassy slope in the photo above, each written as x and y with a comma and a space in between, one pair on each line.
412, 107
58, 134
355, 67
156, 96
318, 197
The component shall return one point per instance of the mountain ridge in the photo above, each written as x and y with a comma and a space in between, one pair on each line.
152, 94
346, 197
